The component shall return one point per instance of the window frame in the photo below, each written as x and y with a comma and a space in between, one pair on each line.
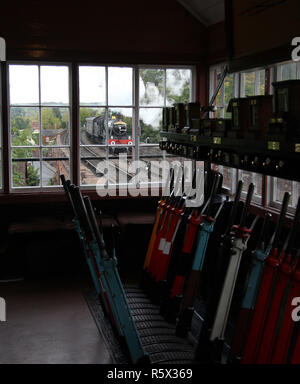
135, 110
267, 200
75, 145
39, 105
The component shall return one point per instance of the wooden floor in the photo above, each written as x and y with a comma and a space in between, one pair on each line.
49, 323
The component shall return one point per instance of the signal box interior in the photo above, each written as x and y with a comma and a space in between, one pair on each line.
149, 183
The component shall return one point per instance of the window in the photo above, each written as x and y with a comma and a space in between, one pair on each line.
235, 85
244, 84
256, 179
106, 124
253, 83
285, 71
288, 71
229, 178
158, 88
39, 119
278, 189
225, 94
121, 120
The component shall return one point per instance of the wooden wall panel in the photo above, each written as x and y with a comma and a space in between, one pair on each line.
104, 30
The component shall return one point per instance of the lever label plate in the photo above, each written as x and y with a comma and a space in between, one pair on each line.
217, 140
274, 145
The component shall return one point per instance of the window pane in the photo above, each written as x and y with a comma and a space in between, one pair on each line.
25, 153
24, 126
92, 86
51, 171
26, 173
150, 122
289, 71
55, 126
119, 86
229, 89
178, 85
95, 169
90, 158
246, 178
150, 152
250, 177
93, 126
151, 87
121, 169
24, 84
262, 78
55, 153
120, 126
219, 105
297, 192
258, 182
227, 177
282, 186
228, 93
34, 129
249, 79
151, 171
54, 85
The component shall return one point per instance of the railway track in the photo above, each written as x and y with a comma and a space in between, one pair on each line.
93, 162
92, 154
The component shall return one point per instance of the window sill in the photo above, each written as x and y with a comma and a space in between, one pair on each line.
261, 211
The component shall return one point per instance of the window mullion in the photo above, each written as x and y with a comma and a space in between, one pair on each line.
136, 114
298, 70
279, 72
294, 197
242, 85
222, 97
40, 136
107, 109
273, 74
257, 83
236, 81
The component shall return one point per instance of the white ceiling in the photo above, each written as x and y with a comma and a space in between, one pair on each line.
207, 11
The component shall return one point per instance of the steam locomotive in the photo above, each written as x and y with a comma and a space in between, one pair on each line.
117, 130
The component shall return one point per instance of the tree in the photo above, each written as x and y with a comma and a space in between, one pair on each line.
149, 134
32, 177
85, 113
50, 119
29, 178
154, 76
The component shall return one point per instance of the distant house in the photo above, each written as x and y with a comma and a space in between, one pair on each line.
49, 135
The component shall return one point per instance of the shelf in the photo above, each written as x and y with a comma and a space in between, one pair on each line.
273, 158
